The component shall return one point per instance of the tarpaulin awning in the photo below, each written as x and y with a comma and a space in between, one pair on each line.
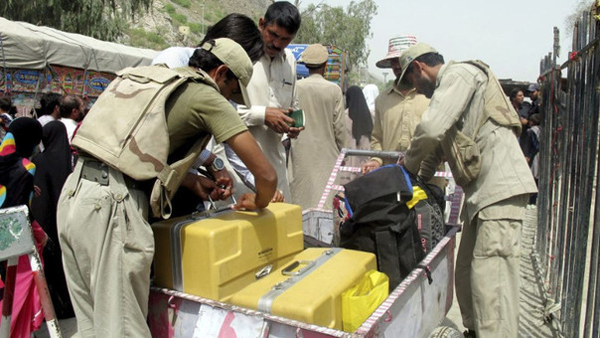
27, 46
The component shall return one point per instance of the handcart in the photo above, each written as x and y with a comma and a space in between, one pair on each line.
414, 309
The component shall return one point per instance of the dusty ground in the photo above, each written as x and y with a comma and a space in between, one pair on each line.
532, 307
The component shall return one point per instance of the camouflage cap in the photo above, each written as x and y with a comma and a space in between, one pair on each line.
314, 55
412, 53
232, 55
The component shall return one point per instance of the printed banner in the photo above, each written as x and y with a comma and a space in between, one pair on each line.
56, 79
78, 82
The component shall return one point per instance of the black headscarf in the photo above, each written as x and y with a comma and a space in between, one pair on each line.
56, 142
358, 110
16, 171
27, 133
53, 165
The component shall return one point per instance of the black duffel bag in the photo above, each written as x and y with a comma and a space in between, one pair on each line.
381, 222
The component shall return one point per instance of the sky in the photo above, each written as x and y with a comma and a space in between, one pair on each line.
510, 36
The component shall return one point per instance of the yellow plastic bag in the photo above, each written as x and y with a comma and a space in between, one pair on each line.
361, 300
418, 195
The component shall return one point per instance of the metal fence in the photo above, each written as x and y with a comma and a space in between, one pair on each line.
568, 236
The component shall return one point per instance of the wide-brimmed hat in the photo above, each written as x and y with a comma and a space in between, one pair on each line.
395, 47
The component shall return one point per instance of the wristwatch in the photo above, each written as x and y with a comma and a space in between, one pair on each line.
217, 164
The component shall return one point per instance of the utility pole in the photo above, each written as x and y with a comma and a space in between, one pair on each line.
385, 74
556, 46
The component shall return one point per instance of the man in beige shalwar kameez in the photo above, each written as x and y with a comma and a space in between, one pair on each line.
314, 152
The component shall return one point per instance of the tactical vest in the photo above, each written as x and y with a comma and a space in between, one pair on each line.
461, 150
127, 129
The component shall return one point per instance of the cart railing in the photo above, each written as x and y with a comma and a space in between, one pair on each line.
455, 198
174, 314
337, 168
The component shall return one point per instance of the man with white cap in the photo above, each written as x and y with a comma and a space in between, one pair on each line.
313, 153
106, 241
472, 124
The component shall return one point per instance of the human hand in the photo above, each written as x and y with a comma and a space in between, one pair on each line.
293, 132
278, 120
370, 166
224, 181
203, 187
5, 120
37, 192
278, 197
246, 202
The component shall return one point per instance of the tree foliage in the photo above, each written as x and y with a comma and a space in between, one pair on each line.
348, 29
102, 19
579, 9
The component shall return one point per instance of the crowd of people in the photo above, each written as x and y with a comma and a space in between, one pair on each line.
530, 116
259, 154
35, 160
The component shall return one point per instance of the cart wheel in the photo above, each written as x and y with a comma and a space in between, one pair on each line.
446, 332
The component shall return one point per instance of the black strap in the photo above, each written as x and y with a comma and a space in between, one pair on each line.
427, 272
387, 256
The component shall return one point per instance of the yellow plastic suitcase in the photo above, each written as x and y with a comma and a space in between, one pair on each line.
310, 288
220, 254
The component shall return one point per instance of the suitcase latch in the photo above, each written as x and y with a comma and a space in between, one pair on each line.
264, 271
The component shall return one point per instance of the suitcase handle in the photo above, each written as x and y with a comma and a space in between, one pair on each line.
288, 271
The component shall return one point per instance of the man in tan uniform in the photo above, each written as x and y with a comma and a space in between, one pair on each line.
487, 266
314, 152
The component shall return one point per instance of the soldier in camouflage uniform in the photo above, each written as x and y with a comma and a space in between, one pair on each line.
107, 243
